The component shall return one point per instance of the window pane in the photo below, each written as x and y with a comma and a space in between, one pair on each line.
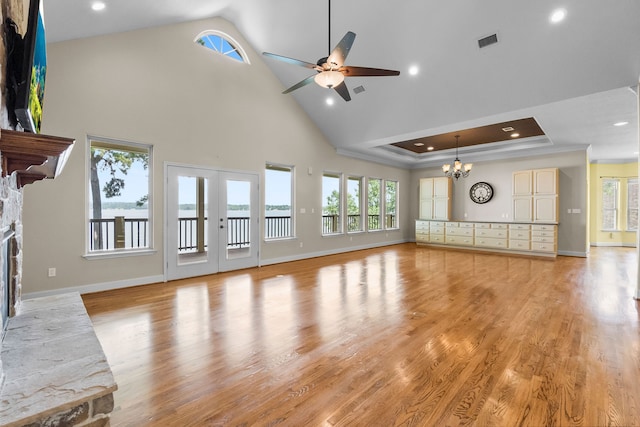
278, 196
221, 43
119, 196
331, 222
374, 204
610, 204
354, 211
390, 197
632, 204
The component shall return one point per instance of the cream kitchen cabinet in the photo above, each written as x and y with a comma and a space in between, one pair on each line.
435, 198
535, 195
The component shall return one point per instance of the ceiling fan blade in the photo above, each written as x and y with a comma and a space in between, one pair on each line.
349, 71
300, 84
343, 91
291, 60
339, 53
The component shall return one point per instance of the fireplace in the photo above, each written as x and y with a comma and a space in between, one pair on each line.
6, 282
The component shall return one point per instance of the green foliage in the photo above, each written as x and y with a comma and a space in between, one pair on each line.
117, 162
332, 206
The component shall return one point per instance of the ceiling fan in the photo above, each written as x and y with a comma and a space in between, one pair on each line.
330, 70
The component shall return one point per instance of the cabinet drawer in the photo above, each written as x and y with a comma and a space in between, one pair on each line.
459, 240
490, 232
452, 225
436, 224
466, 225
436, 238
459, 231
482, 225
550, 234
543, 247
519, 227
543, 239
540, 227
491, 242
500, 226
520, 245
519, 234
422, 225
422, 238
436, 230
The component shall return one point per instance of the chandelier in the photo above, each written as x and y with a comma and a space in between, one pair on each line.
457, 171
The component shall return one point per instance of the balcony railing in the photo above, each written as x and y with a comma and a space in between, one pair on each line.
132, 233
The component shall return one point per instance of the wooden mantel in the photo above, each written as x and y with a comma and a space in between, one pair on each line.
21, 150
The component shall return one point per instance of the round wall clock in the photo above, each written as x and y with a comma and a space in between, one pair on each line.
481, 192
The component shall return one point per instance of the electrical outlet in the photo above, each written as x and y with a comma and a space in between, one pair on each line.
52, 272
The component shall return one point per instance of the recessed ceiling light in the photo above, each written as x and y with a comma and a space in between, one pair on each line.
558, 15
418, 144
98, 5
621, 123
329, 101
414, 70
515, 135
430, 148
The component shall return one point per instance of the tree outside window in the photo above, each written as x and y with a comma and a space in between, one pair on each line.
632, 204
610, 204
119, 185
390, 203
331, 203
374, 204
354, 210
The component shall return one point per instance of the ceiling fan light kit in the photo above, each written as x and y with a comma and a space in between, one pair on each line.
331, 70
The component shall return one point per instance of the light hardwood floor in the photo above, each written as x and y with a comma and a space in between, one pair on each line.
395, 336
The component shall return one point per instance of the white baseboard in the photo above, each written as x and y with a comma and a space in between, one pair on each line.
329, 252
98, 287
614, 244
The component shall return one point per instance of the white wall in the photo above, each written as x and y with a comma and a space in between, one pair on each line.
156, 86
572, 228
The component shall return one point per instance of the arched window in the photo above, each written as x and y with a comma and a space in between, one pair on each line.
222, 43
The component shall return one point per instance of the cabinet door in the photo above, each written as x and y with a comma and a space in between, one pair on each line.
545, 181
522, 209
522, 183
426, 208
426, 188
441, 187
441, 208
545, 209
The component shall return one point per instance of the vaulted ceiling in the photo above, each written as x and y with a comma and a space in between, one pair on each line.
576, 78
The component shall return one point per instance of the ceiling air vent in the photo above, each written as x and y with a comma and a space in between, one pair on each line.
486, 41
358, 89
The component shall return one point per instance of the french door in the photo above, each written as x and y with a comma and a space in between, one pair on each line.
211, 221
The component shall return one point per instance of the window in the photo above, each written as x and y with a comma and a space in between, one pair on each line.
610, 204
223, 44
331, 206
390, 205
632, 204
278, 197
119, 195
354, 204
374, 205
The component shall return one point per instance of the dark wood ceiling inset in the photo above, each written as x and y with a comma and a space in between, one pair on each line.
526, 128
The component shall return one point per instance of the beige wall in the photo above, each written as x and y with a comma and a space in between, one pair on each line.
572, 228
156, 86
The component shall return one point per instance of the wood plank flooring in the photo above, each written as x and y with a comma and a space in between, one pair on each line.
395, 336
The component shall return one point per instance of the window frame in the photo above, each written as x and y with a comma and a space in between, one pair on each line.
386, 201
237, 47
120, 145
380, 205
340, 220
632, 182
361, 204
292, 231
615, 209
